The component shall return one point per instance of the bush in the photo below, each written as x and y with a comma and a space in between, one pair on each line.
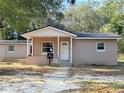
121, 46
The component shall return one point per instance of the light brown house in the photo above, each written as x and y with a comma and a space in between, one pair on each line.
12, 49
74, 47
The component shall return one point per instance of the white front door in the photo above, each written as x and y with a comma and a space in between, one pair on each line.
64, 50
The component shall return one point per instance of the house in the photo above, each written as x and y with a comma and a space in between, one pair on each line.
73, 47
12, 49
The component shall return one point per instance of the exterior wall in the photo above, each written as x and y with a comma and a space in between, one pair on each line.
84, 52
37, 45
20, 51
38, 57
39, 60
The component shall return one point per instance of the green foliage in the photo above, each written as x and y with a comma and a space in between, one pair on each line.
2, 22
20, 14
82, 18
113, 15
121, 44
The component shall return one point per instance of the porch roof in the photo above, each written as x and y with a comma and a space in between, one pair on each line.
52, 31
48, 31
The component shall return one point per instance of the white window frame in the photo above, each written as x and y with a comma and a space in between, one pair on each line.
98, 50
9, 47
45, 53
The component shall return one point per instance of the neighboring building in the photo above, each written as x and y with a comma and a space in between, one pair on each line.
12, 49
74, 47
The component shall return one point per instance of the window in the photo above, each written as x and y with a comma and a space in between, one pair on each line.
47, 47
11, 48
100, 47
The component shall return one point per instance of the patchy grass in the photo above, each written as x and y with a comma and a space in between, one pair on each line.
98, 87
99, 70
121, 57
13, 66
102, 87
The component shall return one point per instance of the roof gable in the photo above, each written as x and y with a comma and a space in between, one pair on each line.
48, 32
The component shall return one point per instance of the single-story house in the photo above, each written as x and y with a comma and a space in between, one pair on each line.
12, 49
74, 47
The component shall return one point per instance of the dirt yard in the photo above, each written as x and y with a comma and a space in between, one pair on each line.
22, 78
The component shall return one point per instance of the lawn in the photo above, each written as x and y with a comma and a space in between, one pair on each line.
121, 57
16, 67
98, 87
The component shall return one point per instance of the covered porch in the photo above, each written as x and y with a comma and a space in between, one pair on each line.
49, 40
38, 47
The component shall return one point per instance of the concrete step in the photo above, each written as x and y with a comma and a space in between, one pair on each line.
64, 63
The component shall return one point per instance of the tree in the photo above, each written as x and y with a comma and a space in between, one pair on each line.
20, 14
113, 15
2, 22
26, 15
82, 18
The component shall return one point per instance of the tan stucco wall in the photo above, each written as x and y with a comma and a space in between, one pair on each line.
37, 46
84, 52
20, 51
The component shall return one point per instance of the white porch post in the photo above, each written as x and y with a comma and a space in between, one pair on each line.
71, 49
58, 47
27, 46
32, 47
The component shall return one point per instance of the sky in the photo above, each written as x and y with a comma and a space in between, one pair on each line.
79, 2
84, 1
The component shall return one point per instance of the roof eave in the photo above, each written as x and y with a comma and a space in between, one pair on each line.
29, 34
97, 38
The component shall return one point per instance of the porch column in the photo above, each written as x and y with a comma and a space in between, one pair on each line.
32, 47
71, 49
58, 47
27, 46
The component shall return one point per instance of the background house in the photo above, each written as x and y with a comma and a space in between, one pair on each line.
12, 49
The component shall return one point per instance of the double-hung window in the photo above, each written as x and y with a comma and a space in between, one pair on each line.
47, 47
100, 47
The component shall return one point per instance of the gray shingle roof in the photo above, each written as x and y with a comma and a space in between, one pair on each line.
93, 35
96, 35
13, 41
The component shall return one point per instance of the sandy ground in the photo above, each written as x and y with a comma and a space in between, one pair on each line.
22, 78
60, 80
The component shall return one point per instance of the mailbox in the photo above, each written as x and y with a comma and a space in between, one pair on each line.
50, 55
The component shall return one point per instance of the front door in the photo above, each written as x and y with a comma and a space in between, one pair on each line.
64, 50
